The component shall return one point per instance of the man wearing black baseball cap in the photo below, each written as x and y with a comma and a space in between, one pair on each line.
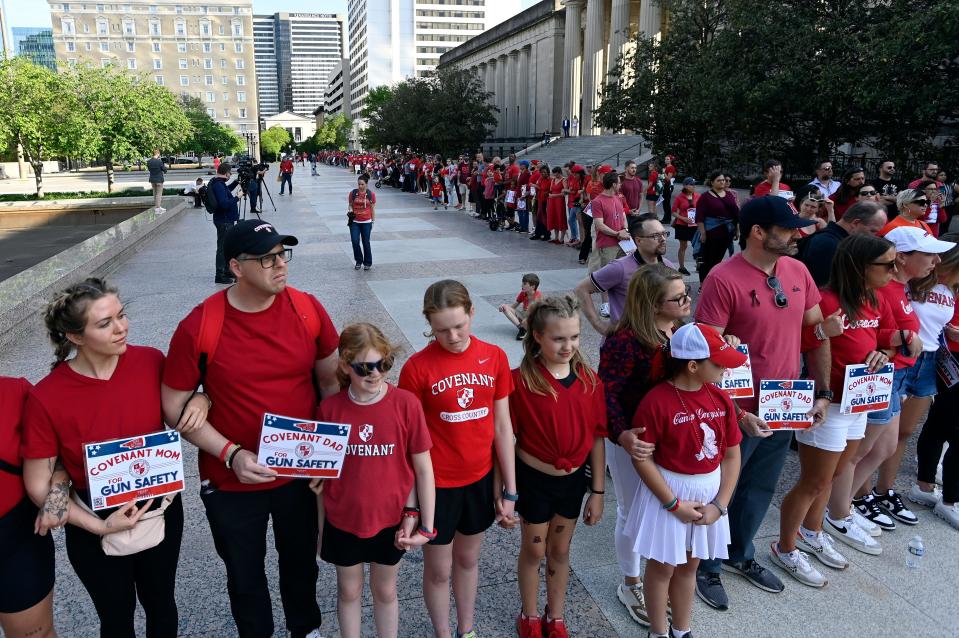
765, 297
262, 344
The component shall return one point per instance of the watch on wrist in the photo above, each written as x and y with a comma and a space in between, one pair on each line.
824, 394
722, 510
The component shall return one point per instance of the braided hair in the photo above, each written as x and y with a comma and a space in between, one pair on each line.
540, 313
66, 313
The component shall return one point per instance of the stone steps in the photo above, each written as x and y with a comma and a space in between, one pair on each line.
591, 149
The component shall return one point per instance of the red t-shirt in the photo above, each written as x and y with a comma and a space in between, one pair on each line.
681, 206
610, 210
512, 172
377, 464
437, 189
457, 392
692, 433
735, 296
872, 330
594, 188
13, 395
764, 187
572, 183
286, 166
66, 409
651, 189
558, 431
632, 190
362, 204
905, 316
670, 171
526, 301
263, 363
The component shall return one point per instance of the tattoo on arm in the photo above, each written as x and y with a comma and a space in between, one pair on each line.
58, 499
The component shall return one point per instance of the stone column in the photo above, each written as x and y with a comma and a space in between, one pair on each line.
618, 32
594, 71
650, 18
491, 80
572, 58
522, 79
512, 95
501, 95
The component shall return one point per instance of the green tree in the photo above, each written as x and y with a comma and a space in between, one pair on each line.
124, 116
209, 136
37, 115
273, 139
335, 132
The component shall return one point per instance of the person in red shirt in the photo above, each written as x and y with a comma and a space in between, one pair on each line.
559, 414
517, 312
542, 193
556, 212
653, 190
684, 219
286, 174
266, 360
436, 193
464, 385
863, 264
669, 178
361, 215
389, 448
27, 572
678, 513
848, 192
108, 390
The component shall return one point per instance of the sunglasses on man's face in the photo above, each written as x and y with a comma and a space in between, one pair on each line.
366, 368
867, 193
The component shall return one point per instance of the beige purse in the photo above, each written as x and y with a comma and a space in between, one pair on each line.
149, 531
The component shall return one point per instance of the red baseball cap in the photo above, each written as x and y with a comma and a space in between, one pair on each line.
699, 341
604, 168
577, 168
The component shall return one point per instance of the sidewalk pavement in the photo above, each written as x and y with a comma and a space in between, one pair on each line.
412, 247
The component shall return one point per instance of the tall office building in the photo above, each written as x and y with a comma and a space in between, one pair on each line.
391, 40
204, 51
35, 44
295, 53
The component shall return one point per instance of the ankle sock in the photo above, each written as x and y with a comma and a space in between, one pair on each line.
808, 534
678, 633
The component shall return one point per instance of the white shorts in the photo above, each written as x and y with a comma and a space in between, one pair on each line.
837, 429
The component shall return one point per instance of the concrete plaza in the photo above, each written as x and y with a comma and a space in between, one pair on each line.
413, 246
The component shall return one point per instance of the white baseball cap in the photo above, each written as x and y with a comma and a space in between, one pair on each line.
910, 238
698, 341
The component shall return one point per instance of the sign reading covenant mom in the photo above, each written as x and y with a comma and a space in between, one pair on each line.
133, 469
302, 449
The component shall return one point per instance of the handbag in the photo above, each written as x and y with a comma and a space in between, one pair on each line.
149, 531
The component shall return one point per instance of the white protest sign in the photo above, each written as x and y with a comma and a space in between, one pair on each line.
865, 391
627, 245
134, 468
783, 404
738, 382
300, 448
691, 215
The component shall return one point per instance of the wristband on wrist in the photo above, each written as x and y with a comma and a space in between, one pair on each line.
429, 534
674, 507
596, 491
671, 505
226, 448
229, 459
510, 497
411, 514
413, 508
819, 332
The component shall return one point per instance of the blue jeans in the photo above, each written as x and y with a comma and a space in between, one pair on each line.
523, 219
572, 218
762, 463
286, 178
361, 231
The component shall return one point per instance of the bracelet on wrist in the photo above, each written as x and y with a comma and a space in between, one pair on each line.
670, 505
674, 507
597, 491
412, 508
225, 450
510, 497
429, 534
229, 459
411, 514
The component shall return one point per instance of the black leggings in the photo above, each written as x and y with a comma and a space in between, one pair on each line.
941, 427
116, 582
714, 250
587, 239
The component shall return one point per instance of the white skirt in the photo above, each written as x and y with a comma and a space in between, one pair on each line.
659, 535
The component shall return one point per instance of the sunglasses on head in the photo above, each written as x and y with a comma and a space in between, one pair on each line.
366, 368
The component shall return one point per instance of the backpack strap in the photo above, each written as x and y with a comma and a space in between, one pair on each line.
306, 311
10, 468
212, 312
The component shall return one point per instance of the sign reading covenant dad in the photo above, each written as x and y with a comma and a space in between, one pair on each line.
133, 469
865, 391
302, 449
738, 382
783, 404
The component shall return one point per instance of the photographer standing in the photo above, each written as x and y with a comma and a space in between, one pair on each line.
254, 184
227, 213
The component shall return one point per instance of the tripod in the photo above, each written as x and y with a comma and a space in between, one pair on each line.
263, 186
243, 201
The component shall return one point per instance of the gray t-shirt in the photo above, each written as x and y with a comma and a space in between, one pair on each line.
157, 169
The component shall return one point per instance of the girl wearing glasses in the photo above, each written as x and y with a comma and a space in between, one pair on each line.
559, 414
388, 463
464, 385
862, 265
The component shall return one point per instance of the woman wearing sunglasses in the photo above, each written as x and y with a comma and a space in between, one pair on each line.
912, 205
862, 265
389, 449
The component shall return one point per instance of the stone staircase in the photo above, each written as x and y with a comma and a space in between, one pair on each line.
591, 149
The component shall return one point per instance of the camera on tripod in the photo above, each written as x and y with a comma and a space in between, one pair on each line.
247, 170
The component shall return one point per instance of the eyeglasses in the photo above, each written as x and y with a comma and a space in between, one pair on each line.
366, 368
681, 300
782, 301
888, 265
920, 202
868, 193
657, 236
269, 261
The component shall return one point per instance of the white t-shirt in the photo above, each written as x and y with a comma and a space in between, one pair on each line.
934, 313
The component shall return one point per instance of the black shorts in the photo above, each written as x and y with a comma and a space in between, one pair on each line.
27, 569
652, 198
468, 510
541, 496
345, 550
684, 233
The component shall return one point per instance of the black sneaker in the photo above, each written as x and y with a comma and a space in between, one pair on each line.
868, 508
756, 574
709, 588
521, 334
892, 504
683, 271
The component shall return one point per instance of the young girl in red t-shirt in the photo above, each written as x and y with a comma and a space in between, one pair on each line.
388, 466
463, 384
436, 192
678, 515
558, 411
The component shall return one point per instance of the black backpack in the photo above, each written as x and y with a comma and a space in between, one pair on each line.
209, 201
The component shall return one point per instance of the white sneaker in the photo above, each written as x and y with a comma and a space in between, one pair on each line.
821, 546
867, 525
604, 310
949, 513
632, 598
846, 531
921, 497
797, 565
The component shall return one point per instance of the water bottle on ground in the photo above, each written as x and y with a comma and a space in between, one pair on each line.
915, 553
